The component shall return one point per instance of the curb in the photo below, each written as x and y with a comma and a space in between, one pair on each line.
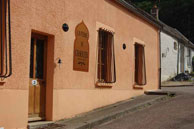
160, 92
177, 86
99, 121
89, 124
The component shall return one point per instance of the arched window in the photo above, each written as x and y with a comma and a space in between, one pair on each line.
175, 46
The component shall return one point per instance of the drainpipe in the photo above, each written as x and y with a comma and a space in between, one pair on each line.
178, 55
160, 59
190, 58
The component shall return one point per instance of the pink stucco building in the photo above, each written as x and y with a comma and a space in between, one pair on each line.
70, 57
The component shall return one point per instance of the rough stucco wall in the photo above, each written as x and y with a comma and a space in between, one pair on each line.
125, 31
14, 92
169, 61
75, 92
109, 14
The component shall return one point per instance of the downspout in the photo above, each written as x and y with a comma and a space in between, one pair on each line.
160, 69
190, 57
178, 56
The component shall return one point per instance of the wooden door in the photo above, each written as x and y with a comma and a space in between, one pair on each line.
37, 84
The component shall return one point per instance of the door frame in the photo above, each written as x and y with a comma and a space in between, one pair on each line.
45, 38
50, 66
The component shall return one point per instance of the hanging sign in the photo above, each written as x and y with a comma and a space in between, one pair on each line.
81, 48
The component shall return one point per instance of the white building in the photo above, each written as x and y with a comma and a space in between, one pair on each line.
176, 53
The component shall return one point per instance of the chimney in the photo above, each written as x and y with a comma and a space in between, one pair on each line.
155, 12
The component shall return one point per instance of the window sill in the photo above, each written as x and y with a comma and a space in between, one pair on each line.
103, 84
2, 81
137, 87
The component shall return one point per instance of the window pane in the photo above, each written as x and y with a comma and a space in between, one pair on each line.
31, 58
40, 59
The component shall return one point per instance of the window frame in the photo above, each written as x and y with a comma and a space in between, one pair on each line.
136, 85
175, 46
5, 40
189, 57
99, 82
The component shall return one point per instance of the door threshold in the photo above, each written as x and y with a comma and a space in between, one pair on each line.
39, 124
34, 119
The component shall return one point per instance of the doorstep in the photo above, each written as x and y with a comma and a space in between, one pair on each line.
39, 124
159, 92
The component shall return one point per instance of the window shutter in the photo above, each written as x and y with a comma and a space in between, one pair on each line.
140, 69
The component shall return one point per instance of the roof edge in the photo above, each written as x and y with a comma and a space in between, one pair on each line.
144, 15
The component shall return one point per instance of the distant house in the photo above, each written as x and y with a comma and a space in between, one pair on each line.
176, 53
176, 50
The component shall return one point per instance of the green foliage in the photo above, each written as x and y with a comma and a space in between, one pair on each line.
193, 59
145, 5
179, 14
176, 13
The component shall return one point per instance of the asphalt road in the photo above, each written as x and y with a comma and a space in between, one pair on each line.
176, 113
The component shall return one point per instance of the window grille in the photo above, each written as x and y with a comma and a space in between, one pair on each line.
5, 39
106, 57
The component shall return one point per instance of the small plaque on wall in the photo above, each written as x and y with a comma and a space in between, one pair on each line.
81, 48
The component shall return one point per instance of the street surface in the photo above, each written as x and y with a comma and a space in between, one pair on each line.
176, 113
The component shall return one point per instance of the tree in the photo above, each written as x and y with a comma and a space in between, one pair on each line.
176, 13
179, 14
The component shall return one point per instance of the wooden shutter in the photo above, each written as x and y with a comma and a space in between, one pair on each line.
108, 56
110, 60
99, 55
140, 69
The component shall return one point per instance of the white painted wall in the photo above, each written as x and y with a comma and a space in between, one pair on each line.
169, 57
